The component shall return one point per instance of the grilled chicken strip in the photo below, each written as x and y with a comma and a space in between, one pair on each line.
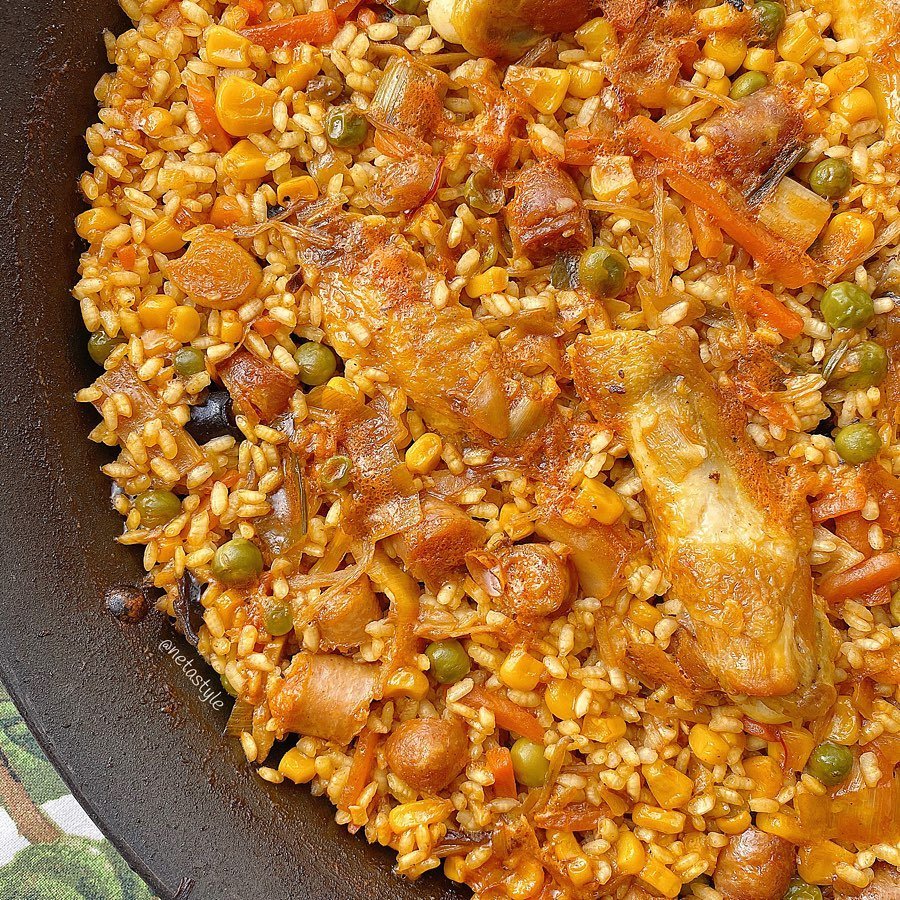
730, 533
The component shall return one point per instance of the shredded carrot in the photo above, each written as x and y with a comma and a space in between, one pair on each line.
266, 326
361, 767
854, 529
203, 102
879, 597
792, 267
253, 8
343, 9
127, 256
311, 28
766, 306
870, 575
847, 499
507, 714
499, 761
707, 235
581, 146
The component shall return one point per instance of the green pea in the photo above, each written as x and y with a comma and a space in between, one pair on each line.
100, 345
237, 561
316, 361
603, 271
484, 192
189, 361
747, 84
863, 366
830, 763
449, 661
279, 619
857, 443
344, 127
847, 305
563, 271
798, 889
770, 18
529, 763
830, 178
404, 7
336, 472
157, 507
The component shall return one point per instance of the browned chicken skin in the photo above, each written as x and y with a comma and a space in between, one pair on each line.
730, 533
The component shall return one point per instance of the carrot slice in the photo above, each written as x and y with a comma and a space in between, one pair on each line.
204, 103
310, 28
766, 306
707, 235
499, 761
854, 529
361, 767
868, 576
266, 326
792, 267
253, 8
846, 500
507, 714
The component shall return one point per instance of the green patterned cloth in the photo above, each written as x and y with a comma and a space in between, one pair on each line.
49, 848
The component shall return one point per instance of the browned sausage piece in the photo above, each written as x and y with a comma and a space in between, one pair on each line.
529, 581
885, 886
754, 866
343, 618
437, 546
546, 214
427, 753
324, 696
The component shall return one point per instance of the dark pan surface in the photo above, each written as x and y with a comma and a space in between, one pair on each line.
123, 723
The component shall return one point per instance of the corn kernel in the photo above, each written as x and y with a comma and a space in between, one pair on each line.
526, 881
766, 775
156, 122
560, 697
760, 59
302, 69
492, 281
604, 728
717, 18
597, 37
515, 523
613, 177
244, 161
784, 72
225, 212
580, 871
728, 49
670, 787
783, 825
658, 877
424, 454
565, 845
630, 853
343, 386
227, 48
521, 671
299, 768
231, 328
183, 323
164, 236
131, 324
737, 823
708, 746
799, 40
455, 868
846, 76
844, 725
407, 683
92, 224
244, 107
599, 501
545, 89
721, 86
667, 821
816, 863
419, 812
644, 614
584, 83
846, 236
303, 187
855, 105
154, 311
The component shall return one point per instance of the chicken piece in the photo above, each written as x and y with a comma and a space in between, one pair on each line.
527, 581
324, 696
731, 534
342, 619
680, 668
376, 295
427, 753
884, 886
754, 866
260, 390
434, 548
546, 215
756, 135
